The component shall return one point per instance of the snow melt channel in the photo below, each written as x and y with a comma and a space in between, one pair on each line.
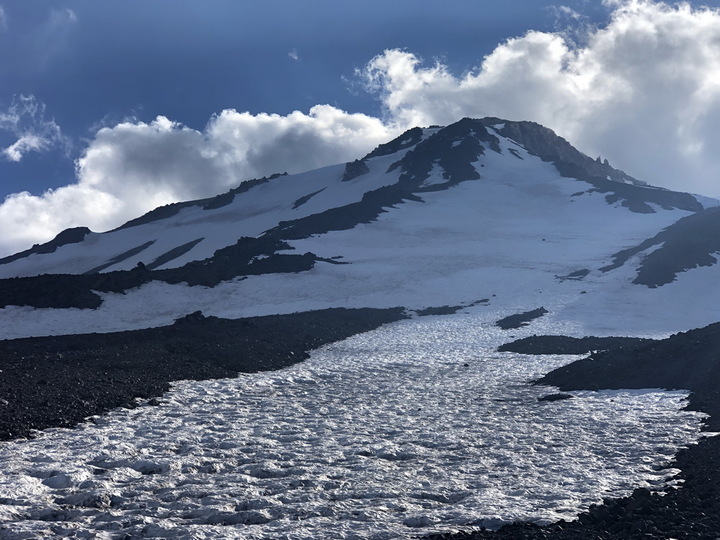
416, 427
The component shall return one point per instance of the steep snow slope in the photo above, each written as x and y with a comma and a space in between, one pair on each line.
438, 217
265, 206
503, 212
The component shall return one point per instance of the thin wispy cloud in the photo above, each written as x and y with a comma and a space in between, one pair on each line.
293, 55
26, 121
3, 19
62, 17
50, 38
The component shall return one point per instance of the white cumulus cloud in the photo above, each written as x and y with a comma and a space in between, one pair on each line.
164, 161
643, 91
133, 167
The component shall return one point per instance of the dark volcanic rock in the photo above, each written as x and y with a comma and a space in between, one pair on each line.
555, 397
121, 257
210, 203
570, 345
68, 236
248, 256
172, 254
49, 291
440, 310
688, 360
58, 381
691, 242
454, 148
578, 275
305, 198
548, 146
521, 319
353, 169
410, 138
571, 163
449, 310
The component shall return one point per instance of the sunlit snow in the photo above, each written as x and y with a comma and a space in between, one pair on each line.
245, 216
507, 237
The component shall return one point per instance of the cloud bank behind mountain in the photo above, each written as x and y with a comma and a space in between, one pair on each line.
643, 91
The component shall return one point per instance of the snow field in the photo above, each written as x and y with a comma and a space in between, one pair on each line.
250, 214
457, 247
416, 427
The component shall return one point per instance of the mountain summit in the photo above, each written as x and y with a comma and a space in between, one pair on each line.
481, 209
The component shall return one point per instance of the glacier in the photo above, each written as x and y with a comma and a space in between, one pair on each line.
417, 426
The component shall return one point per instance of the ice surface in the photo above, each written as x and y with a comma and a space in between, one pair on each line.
415, 427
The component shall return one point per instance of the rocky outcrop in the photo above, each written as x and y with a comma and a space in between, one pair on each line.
687, 360
570, 345
690, 242
68, 236
247, 257
548, 146
518, 320
354, 169
407, 140
618, 186
454, 149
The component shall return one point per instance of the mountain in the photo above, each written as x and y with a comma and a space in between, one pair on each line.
489, 209
387, 315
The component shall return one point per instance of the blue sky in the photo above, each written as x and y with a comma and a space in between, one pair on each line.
108, 109
97, 63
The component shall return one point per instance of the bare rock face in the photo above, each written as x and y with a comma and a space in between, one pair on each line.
354, 169
618, 186
518, 320
688, 243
